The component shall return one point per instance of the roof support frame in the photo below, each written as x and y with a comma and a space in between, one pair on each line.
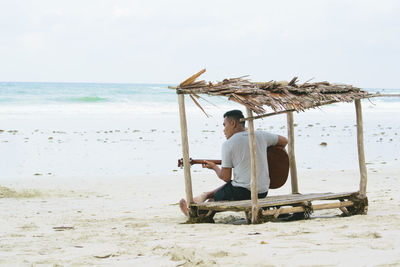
292, 161
360, 148
292, 158
185, 154
253, 160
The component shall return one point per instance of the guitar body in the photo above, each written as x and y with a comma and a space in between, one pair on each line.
278, 166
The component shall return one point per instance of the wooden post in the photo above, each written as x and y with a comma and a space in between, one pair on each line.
253, 158
185, 151
292, 158
360, 146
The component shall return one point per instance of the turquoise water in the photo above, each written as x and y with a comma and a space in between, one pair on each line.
27, 97
49, 93
81, 98
42, 93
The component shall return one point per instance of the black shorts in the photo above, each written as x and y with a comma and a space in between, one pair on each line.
230, 192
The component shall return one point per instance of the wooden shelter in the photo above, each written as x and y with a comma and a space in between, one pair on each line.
282, 97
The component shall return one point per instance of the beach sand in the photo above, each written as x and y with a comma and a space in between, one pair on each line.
86, 197
137, 221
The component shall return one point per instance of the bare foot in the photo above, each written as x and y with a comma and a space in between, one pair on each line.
201, 198
183, 206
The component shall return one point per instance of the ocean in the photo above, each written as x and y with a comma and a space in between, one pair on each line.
27, 97
113, 130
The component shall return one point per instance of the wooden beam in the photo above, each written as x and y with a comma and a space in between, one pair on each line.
385, 95
292, 158
267, 115
286, 111
360, 146
302, 209
185, 152
253, 158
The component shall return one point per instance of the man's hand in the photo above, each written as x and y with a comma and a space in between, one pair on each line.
209, 165
224, 174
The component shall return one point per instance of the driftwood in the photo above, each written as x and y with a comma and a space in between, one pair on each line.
279, 96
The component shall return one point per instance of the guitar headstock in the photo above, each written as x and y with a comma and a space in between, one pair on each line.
180, 162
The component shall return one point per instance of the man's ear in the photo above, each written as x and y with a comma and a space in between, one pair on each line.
234, 123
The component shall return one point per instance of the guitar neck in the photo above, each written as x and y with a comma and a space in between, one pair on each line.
202, 161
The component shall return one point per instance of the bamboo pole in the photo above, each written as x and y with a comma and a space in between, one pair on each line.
292, 158
185, 151
360, 146
385, 95
253, 158
302, 209
267, 115
287, 111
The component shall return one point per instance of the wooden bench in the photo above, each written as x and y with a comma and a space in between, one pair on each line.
273, 206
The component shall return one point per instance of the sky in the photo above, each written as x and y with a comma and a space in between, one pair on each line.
129, 41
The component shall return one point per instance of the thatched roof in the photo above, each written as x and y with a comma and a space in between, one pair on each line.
280, 96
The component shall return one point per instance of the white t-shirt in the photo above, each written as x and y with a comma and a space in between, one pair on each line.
236, 155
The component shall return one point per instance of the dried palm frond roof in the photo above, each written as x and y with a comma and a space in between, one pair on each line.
280, 96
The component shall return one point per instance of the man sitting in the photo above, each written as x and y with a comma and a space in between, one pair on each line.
236, 156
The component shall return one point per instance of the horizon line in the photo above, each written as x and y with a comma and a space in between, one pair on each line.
145, 83
160, 83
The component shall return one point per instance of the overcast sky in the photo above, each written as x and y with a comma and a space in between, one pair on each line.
127, 41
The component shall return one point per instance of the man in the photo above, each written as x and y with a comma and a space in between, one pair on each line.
236, 159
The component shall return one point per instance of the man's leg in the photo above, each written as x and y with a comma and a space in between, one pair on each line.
198, 199
206, 195
224, 193
184, 208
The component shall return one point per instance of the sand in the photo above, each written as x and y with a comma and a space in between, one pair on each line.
87, 197
137, 221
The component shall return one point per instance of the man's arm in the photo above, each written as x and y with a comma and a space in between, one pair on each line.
224, 174
282, 141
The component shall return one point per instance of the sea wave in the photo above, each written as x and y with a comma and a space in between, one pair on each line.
88, 99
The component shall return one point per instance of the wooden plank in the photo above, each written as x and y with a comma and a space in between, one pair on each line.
253, 160
301, 198
276, 212
360, 146
292, 158
245, 205
185, 150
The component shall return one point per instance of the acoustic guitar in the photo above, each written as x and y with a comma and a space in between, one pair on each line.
278, 165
